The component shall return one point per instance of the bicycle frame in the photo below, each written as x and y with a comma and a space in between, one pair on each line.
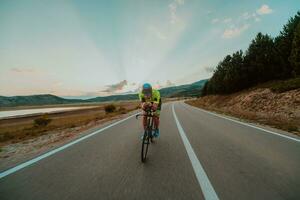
147, 137
149, 114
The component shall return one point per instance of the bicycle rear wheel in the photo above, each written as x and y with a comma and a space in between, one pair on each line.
145, 144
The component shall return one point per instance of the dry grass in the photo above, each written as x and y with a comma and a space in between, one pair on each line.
16, 130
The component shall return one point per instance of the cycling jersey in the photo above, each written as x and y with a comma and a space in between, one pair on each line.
155, 97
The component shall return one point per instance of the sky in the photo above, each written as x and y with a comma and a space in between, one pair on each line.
88, 48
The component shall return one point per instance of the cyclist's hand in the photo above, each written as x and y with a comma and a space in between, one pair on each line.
154, 107
145, 105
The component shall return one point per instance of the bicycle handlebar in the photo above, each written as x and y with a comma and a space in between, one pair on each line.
149, 113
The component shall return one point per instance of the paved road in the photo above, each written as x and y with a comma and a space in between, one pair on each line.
220, 159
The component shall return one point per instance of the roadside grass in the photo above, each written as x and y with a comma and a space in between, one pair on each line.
45, 124
291, 128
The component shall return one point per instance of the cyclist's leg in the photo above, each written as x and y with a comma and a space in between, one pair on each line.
157, 114
156, 122
156, 119
144, 122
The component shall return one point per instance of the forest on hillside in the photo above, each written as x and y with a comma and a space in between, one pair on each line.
265, 59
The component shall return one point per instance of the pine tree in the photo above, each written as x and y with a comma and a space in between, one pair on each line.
283, 45
265, 59
294, 58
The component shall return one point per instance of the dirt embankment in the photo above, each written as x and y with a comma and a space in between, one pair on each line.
279, 110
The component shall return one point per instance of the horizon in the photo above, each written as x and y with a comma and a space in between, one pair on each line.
110, 48
91, 97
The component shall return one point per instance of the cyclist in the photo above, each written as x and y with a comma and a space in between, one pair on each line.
151, 98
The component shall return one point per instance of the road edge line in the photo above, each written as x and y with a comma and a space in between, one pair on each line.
45, 155
245, 124
205, 185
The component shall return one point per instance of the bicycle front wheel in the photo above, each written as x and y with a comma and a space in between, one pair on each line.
145, 144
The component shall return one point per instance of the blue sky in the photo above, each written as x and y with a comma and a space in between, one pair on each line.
88, 48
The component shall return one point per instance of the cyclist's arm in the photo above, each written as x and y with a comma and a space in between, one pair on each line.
142, 100
141, 97
156, 96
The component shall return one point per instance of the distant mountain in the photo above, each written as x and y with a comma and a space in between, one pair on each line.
121, 97
44, 99
188, 90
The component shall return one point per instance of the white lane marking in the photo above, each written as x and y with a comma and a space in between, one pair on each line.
34, 160
245, 124
207, 189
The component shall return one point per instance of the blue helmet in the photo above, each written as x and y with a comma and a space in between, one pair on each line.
147, 90
147, 86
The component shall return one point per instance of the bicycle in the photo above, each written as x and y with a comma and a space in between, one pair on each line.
148, 136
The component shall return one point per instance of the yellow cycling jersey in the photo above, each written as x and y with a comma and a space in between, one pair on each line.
155, 97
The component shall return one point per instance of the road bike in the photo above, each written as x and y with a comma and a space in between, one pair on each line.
148, 133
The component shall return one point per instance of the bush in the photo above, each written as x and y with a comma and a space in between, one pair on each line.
42, 121
138, 106
110, 108
122, 110
292, 128
287, 85
5, 136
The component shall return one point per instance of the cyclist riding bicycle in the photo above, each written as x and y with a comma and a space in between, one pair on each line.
150, 98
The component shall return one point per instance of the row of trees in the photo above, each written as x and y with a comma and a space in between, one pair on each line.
265, 59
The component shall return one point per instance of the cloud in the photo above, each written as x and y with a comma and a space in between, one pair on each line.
22, 70
215, 20
227, 20
123, 87
242, 23
250, 16
169, 83
155, 31
208, 12
264, 10
234, 32
57, 84
179, 2
115, 87
173, 10
246, 15
209, 69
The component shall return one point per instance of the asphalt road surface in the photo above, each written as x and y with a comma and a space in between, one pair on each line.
198, 156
